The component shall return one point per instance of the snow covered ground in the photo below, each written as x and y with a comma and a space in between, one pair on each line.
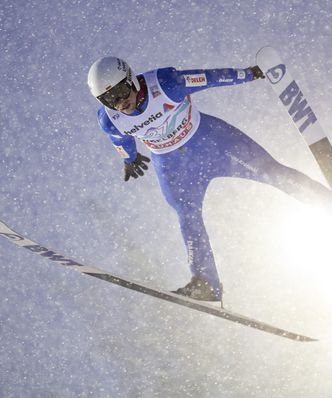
65, 335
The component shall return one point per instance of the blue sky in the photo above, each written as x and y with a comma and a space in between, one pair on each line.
66, 335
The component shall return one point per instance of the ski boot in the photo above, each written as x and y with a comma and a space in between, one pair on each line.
199, 289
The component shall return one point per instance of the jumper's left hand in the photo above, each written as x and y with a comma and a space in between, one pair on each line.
257, 72
135, 168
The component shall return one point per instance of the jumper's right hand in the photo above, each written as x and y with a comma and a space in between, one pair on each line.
135, 168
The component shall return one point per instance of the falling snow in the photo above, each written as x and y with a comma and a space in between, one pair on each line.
65, 335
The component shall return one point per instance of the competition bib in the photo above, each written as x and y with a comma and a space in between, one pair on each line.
165, 125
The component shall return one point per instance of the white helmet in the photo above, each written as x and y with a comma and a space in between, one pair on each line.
107, 72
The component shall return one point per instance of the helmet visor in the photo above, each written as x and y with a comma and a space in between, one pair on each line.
114, 95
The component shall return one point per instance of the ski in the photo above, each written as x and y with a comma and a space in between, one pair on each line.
34, 247
296, 104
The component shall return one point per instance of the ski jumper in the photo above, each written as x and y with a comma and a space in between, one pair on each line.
190, 148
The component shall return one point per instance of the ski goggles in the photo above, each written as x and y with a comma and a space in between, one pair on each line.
114, 95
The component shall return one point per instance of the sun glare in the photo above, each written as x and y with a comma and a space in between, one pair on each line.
306, 245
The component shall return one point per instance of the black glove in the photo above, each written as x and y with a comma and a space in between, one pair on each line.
257, 72
135, 169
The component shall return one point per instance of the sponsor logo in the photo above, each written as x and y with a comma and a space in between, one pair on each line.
240, 161
121, 65
185, 125
224, 80
195, 80
154, 135
241, 74
121, 151
43, 251
165, 128
140, 126
293, 99
276, 73
170, 128
168, 107
190, 249
12, 236
155, 91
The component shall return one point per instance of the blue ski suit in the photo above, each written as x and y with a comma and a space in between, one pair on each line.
216, 149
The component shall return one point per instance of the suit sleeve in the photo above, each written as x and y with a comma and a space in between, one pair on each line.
177, 84
125, 145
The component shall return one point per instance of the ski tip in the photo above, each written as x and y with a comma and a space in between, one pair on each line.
305, 339
266, 52
265, 48
295, 336
260, 51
